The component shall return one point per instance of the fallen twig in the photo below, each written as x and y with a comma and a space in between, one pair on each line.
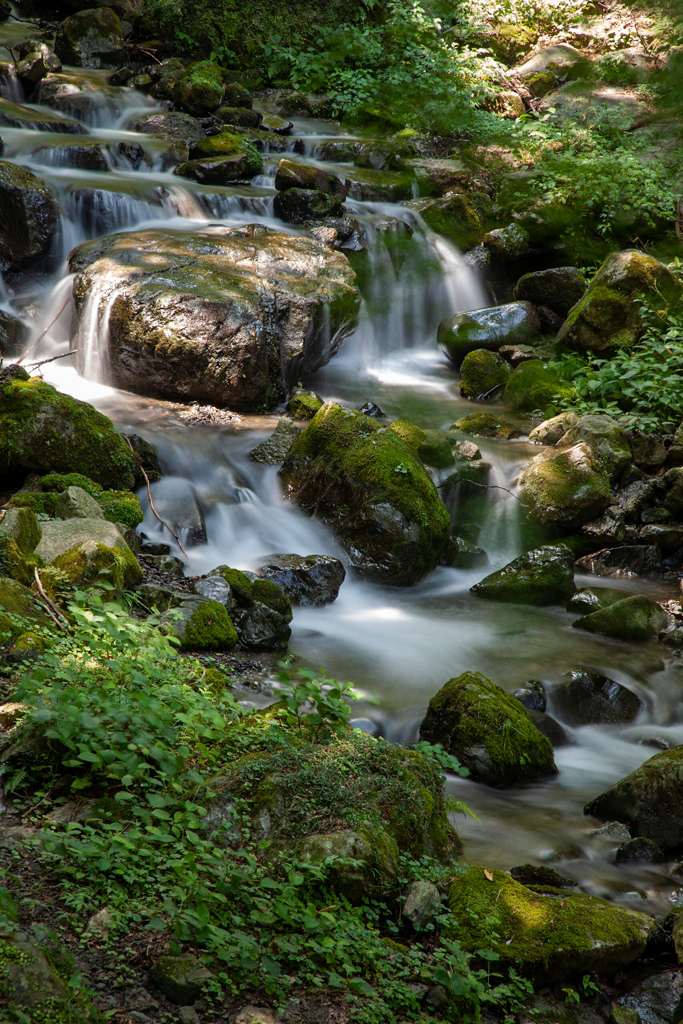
52, 608
71, 352
151, 505
42, 335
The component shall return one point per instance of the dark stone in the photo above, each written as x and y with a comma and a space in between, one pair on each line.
147, 454
313, 580
242, 117
550, 728
532, 695
297, 205
626, 560
540, 577
304, 176
647, 450
558, 288
588, 698
533, 874
639, 849
593, 599
148, 547
549, 320
29, 215
14, 336
370, 409
658, 999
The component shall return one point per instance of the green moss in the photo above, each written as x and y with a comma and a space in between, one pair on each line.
432, 446
533, 386
61, 481
22, 526
547, 935
462, 218
485, 424
42, 430
121, 507
303, 405
20, 612
14, 563
228, 144
540, 577
40, 504
635, 618
89, 564
565, 486
270, 594
488, 730
210, 629
241, 584
199, 90
483, 374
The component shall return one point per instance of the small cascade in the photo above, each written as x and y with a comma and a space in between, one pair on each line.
10, 87
93, 333
100, 211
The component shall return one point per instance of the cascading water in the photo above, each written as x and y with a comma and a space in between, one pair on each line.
399, 645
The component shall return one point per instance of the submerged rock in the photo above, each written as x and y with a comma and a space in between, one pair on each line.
649, 800
488, 730
592, 599
192, 315
512, 324
14, 115
566, 486
29, 215
571, 933
633, 619
313, 580
639, 849
540, 577
588, 698
368, 485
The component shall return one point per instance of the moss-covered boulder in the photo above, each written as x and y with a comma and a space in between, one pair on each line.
22, 526
204, 625
90, 39
608, 316
60, 482
557, 288
512, 324
634, 618
303, 405
546, 934
534, 386
199, 90
606, 437
351, 797
220, 159
649, 801
42, 430
432, 446
483, 374
291, 174
488, 730
462, 217
592, 599
552, 430
540, 577
192, 314
181, 978
551, 66
565, 486
259, 608
369, 486
15, 563
121, 507
29, 215
61, 535
20, 611
90, 564
31, 988
485, 424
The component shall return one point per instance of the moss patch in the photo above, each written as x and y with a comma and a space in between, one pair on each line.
121, 507
209, 629
432, 446
89, 563
533, 386
483, 374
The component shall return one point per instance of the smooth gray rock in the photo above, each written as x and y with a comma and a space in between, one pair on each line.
421, 905
514, 323
75, 503
60, 535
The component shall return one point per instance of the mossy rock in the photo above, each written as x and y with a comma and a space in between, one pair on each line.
42, 429
488, 730
39, 504
89, 564
432, 446
485, 424
483, 374
606, 437
62, 481
259, 609
372, 490
22, 526
90, 39
515, 323
14, 562
20, 612
303, 405
121, 507
30, 214
608, 316
181, 978
534, 386
199, 90
291, 174
75, 503
649, 800
545, 934
540, 577
565, 486
205, 626
229, 144
635, 618
461, 217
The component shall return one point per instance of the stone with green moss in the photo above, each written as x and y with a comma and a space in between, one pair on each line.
608, 317
240, 165
483, 374
90, 564
42, 429
121, 507
540, 577
565, 486
534, 386
606, 437
432, 446
546, 934
32, 989
182, 978
649, 801
485, 424
633, 619
371, 489
59, 482
593, 599
488, 730
29, 214
204, 625
512, 324
259, 608
90, 39
22, 526
461, 217
39, 504
14, 562
75, 503
552, 430
303, 404
200, 89
20, 612
291, 174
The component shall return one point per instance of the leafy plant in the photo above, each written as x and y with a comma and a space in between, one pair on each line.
316, 701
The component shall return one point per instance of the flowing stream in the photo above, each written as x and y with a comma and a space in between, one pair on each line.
400, 646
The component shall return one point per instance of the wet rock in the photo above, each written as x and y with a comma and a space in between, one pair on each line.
565, 486
534, 386
172, 126
508, 244
466, 451
515, 323
588, 698
199, 90
667, 536
485, 424
647, 450
606, 437
220, 159
37, 64
313, 580
627, 560
658, 999
608, 316
516, 354
633, 619
274, 450
640, 849
240, 117
634, 497
540, 577
533, 874
277, 124
46, 431
483, 374
593, 599
532, 695
295, 175
432, 446
90, 39
14, 335
422, 903
165, 563
558, 288
75, 503
148, 459
29, 215
176, 502
463, 554
14, 115
178, 331
573, 933
488, 731
609, 529
260, 610
303, 405
460, 216
550, 431
204, 625
182, 978
369, 486
85, 156
650, 800
372, 410
298, 205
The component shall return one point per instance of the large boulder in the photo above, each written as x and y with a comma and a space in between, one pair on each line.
29, 215
313, 580
291, 174
87, 550
550, 66
634, 618
552, 430
540, 577
606, 437
557, 288
369, 486
565, 486
488, 730
625, 560
90, 39
299, 205
199, 90
608, 316
649, 801
483, 374
545, 934
15, 115
232, 317
43, 430
534, 386
513, 324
